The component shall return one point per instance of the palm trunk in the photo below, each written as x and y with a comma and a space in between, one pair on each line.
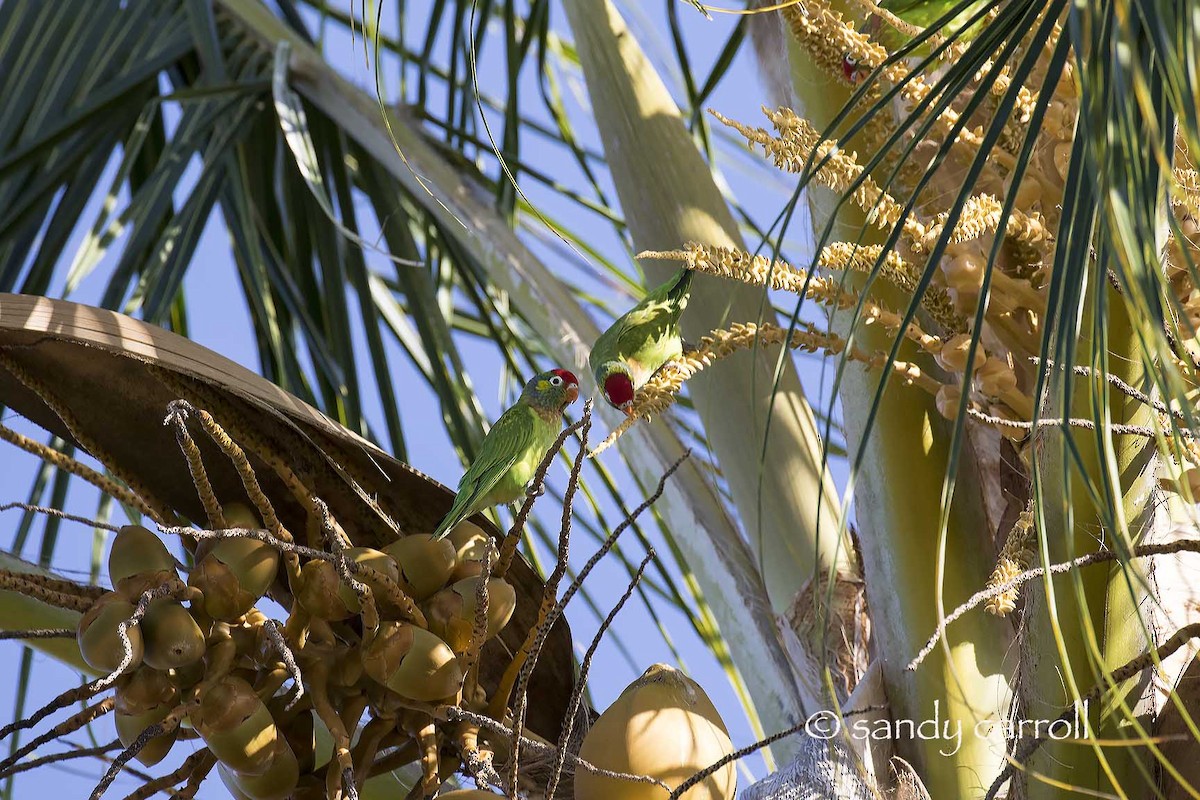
917, 563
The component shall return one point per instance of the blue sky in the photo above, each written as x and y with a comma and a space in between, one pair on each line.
225, 327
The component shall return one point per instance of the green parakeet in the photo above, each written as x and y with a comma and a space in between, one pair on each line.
640, 342
513, 448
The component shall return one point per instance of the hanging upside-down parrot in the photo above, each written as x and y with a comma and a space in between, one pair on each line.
513, 448
640, 342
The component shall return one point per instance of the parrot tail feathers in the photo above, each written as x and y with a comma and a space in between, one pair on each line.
683, 285
448, 523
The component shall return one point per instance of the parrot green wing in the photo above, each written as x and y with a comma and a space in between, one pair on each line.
652, 325
505, 444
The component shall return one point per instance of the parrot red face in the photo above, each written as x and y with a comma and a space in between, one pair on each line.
570, 381
618, 391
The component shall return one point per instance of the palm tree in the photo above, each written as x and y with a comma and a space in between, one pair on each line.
376, 234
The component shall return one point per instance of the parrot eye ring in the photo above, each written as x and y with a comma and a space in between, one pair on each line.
556, 381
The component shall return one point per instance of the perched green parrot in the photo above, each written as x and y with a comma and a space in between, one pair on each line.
513, 448
639, 343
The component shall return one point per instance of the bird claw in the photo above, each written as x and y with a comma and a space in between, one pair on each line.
534, 491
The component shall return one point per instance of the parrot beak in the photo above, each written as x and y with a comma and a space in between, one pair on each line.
572, 394
627, 408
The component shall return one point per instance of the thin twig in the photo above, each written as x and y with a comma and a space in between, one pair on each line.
611, 541
177, 418
456, 714
549, 597
1120, 429
152, 731
394, 593
164, 783
258, 534
478, 767
370, 612
568, 725
274, 632
348, 785
1120, 385
199, 773
982, 596
508, 547
55, 758
49, 590
182, 409
501, 695
39, 633
69, 725
58, 512
470, 658
71, 696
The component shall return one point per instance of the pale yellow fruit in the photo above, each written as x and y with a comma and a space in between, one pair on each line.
996, 378
325, 595
451, 612
240, 515
947, 400
662, 725
277, 783
412, 662
953, 355
100, 643
425, 565
470, 546
379, 561
138, 561
172, 637
233, 574
236, 726
130, 726
320, 591
143, 699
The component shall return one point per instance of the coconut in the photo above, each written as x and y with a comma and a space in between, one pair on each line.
99, 642
953, 355
138, 561
145, 698
470, 545
326, 596
663, 725
276, 783
377, 560
412, 662
236, 726
425, 565
996, 378
319, 590
172, 637
947, 399
451, 612
233, 575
